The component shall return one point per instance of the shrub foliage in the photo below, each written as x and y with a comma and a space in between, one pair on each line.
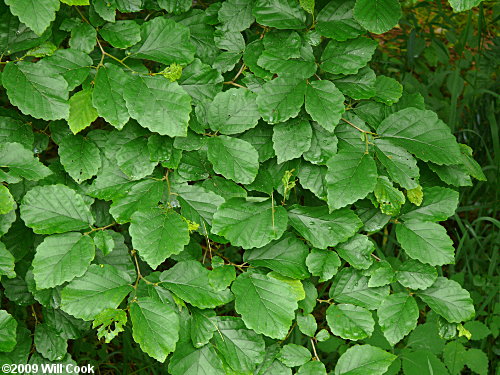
219, 182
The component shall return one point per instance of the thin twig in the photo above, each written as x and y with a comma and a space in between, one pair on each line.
316, 358
101, 228
357, 128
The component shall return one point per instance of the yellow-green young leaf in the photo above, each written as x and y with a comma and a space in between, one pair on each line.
155, 327
36, 14
81, 111
75, 2
7, 202
463, 5
389, 198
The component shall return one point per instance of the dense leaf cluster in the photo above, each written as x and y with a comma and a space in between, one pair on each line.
217, 178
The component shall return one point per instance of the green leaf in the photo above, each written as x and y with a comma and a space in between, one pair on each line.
397, 316
399, 163
454, 355
357, 251
189, 360
198, 204
350, 322
377, 16
62, 257
281, 14
233, 158
323, 146
358, 86
381, 273
389, 198
336, 21
133, 161
48, 342
421, 362
470, 165
110, 322
55, 209
439, 203
448, 299
236, 15
286, 256
364, 359
291, 139
202, 326
80, 157
325, 103
36, 14
36, 91
266, 305
144, 195
158, 33
249, 224
155, 327
158, 104
101, 287
302, 67
189, 280
8, 326
121, 34
281, 99
323, 229
387, 90
350, 286
307, 324
201, 81
67, 326
477, 361
323, 263
478, 330
462, 5
352, 175
415, 275
6, 262
7, 203
422, 133
347, 57
72, 64
108, 95
83, 37
233, 111
452, 174
426, 242
103, 240
312, 368
157, 234
241, 348
81, 111
175, 6
292, 355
